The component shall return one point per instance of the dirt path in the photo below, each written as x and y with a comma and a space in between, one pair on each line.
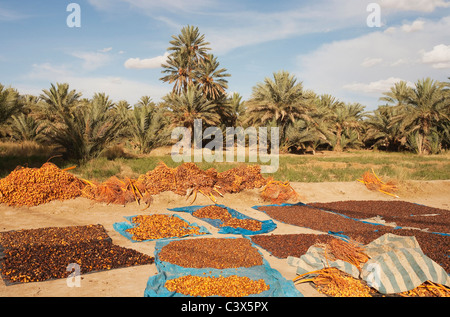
131, 282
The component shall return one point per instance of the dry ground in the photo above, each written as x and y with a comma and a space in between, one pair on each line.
131, 282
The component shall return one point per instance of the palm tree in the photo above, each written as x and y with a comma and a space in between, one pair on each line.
86, 130
190, 43
26, 127
398, 95
8, 103
187, 51
427, 107
210, 78
383, 130
189, 106
146, 126
178, 73
237, 109
281, 99
346, 119
59, 99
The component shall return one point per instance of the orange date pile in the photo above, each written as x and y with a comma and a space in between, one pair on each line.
155, 226
219, 253
45, 253
203, 286
188, 179
34, 186
117, 191
278, 192
428, 289
216, 212
333, 282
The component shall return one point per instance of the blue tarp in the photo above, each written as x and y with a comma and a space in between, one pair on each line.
279, 286
121, 228
266, 225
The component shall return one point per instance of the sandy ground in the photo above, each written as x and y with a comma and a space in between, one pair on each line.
131, 282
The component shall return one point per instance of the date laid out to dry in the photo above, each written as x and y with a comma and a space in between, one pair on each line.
42, 254
203, 286
161, 226
216, 212
219, 253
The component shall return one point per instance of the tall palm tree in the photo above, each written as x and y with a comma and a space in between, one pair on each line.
281, 99
187, 51
190, 43
211, 78
178, 73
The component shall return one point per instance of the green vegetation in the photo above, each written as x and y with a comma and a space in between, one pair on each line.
406, 137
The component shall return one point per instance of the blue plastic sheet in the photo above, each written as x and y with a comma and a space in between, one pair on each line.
121, 228
266, 225
279, 286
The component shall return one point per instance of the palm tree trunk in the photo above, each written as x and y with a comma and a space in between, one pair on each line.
338, 146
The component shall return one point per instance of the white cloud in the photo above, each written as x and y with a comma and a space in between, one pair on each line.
9, 15
370, 62
154, 7
378, 86
438, 57
414, 5
341, 67
105, 50
414, 27
93, 60
47, 70
154, 62
117, 88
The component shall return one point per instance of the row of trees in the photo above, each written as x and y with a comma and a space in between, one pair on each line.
411, 118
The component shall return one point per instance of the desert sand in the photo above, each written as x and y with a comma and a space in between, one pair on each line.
131, 282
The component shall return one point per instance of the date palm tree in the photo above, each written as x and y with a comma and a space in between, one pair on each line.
398, 95
179, 73
281, 100
146, 126
25, 127
186, 53
59, 99
86, 130
346, 119
382, 130
427, 107
211, 78
8, 103
189, 106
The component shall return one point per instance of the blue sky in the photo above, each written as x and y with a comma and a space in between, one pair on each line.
326, 44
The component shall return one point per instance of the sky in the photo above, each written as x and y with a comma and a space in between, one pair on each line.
352, 49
